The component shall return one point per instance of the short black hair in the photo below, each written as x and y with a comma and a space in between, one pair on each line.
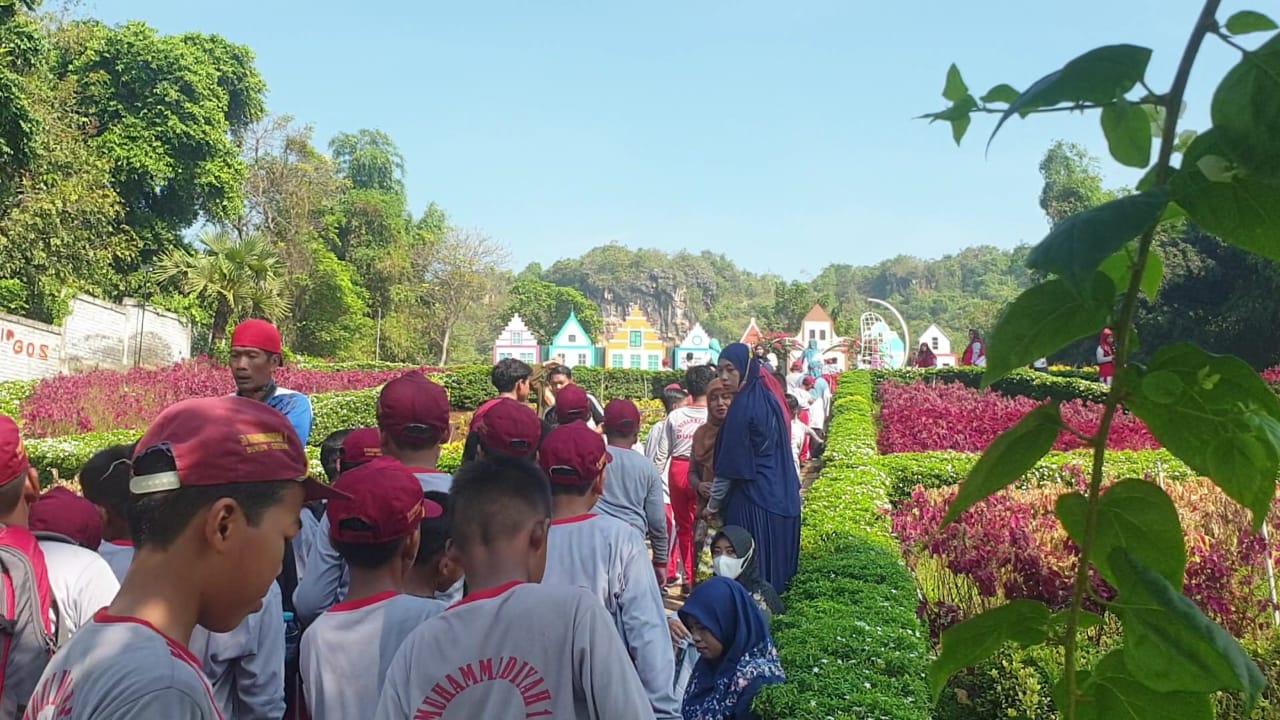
422, 438
369, 556
698, 378
434, 531
671, 396
331, 452
509, 372
11, 493
564, 370
495, 498
104, 479
793, 404
571, 489
621, 435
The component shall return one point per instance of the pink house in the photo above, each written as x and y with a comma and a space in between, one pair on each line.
517, 341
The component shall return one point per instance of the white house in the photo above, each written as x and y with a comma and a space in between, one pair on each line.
695, 349
817, 326
517, 341
940, 344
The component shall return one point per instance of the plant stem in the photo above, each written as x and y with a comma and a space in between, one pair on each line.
1205, 24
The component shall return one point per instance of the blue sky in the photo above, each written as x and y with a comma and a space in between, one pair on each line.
777, 133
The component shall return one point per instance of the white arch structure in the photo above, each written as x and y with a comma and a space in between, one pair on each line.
906, 336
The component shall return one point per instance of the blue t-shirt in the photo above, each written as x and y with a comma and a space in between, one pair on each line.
293, 405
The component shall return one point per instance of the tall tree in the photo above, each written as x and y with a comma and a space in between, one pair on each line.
370, 160
458, 275
545, 306
1072, 181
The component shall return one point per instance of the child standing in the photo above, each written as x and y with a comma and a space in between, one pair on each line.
512, 647
345, 653
435, 574
634, 492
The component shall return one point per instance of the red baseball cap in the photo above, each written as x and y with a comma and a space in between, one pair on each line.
410, 404
673, 386
622, 415
359, 447
509, 427
572, 404
61, 511
385, 497
808, 381
13, 456
573, 454
259, 334
222, 441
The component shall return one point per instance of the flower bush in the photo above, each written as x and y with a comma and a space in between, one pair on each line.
12, 394
924, 417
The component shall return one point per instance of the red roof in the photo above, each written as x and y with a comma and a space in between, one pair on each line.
817, 314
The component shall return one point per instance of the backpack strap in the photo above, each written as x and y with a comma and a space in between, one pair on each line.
53, 537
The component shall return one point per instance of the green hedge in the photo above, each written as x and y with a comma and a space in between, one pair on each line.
1024, 383
850, 640
907, 471
12, 395
66, 454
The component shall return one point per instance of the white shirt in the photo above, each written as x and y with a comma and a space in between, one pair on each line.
346, 652
799, 431
81, 581
118, 554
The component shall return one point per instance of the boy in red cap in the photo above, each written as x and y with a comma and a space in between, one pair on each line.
560, 377
70, 529
413, 422
634, 491
512, 647
508, 428
607, 557
345, 653
256, 353
217, 486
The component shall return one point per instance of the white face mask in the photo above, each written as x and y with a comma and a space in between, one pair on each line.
730, 567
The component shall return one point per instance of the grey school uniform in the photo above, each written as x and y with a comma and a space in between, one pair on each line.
521, 650
122, 669
633, 494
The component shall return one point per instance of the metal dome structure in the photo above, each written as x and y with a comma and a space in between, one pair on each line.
881, 346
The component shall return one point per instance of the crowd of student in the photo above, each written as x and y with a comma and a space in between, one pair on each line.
203, 574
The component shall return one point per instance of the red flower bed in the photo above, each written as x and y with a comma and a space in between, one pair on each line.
111, 400
950, 416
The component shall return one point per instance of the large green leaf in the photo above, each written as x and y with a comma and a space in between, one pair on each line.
1099, 76
1043, 319
955, 89
1076, 246
1169, 643
1002, 93
1232, 203
1135, 515
1217, 415
1008, 458
1128, 132
966, 644
1110, 692
1248, 21
958, 115
1245, 107
1119, 268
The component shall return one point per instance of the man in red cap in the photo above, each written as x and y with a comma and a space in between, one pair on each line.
607, 557
217, 485
256, 353
634, 492
376, 531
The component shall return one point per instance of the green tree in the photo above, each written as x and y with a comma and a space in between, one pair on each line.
242, 276
331, 311
21, 47
370, 160
459, 276
545, 306
1072, 182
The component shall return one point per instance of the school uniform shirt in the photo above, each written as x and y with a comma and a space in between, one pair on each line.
308, 535
245, 667
799, 431
658, 430
633, 494
346, 652
326, 579
520, 650
676, 441
607, 557
118, 554
81, 582
120, 668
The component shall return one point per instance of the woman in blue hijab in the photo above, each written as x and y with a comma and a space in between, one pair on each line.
753, 455
737, 656
813, 359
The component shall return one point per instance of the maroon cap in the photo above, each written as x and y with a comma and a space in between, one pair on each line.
622, 416
674, 386
410, 404
13, 456
385, 497
808, 381
61, 511
509, 427
359, 447
573, 454
572, 404
223, 441
258, 334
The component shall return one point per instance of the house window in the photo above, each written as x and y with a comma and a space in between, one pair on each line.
934, 342
527, 357
813, 334
517, 338
637, 338
503, 356
653, 362
573, 338
635, 362
617, 361
697, 339
582, 358
822, 334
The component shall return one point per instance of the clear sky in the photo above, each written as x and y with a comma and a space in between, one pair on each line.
777, 133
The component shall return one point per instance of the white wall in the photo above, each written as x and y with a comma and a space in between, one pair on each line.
28, 349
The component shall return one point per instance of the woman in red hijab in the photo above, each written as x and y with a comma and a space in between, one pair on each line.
1106, 357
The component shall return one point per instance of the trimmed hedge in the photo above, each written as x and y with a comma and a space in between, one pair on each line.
907, 471
850, 641
12, 395
1019, 383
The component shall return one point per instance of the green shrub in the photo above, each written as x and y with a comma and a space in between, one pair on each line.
341, 410
67, 454
850, 641
12, 393
1019, 383
629, 384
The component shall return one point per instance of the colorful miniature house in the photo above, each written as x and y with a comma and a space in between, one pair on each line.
818, 326
752, 336
635, 344
695, 349
517, 341
571, 346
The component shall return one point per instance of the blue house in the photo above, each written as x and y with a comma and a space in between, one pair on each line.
695, 349
571, 346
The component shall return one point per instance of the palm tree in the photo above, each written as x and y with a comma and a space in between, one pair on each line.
244, 275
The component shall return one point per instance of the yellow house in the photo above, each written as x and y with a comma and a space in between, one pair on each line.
635, 344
